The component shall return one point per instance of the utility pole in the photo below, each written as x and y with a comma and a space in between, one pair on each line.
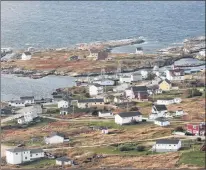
73, 109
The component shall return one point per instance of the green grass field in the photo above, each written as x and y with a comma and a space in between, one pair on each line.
196, 158
42, 163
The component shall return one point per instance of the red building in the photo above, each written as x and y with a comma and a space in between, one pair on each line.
196, 129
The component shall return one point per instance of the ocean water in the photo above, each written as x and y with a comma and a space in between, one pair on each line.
63, 24
13, 87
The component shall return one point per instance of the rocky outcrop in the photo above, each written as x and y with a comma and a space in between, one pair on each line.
191, 47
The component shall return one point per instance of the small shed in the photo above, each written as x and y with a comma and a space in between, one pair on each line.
64, 161
161, 121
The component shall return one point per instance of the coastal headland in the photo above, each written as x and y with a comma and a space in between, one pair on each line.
59, 61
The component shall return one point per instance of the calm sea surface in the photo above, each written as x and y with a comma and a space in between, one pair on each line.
62, 24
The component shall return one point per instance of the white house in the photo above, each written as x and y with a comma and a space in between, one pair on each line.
26, 55
17, 156
17, 103
105, 114
161, 121
179, 113
165, 102
158, 111
21, 120
64, 161
139, 51
120, 99
65, 111
87, 103
29, 113
175, 75
202, 53
55, 138
125, 79
27, 99
137, 92
144, 74
167, 145
136, 77
128, 117
63, 104
121, 87
105, 131
169, 101
177, 100
105, 82
95, 89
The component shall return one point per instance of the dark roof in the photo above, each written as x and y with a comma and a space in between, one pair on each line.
36, 150
17, 149
6, 111
139, 48
139, 88
102, 55
161, 119
166, 81
104, 111
27, 98
16, 101
167, 141
64, 159
90, 100
160, 107
27, 53
129, 114
94, 50
57, 134
57, 96
97, 85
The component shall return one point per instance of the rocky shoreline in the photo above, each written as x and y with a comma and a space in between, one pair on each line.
189, 49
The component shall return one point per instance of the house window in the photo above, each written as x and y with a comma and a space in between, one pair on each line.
25, 157
169, 145
36, 154
16, 153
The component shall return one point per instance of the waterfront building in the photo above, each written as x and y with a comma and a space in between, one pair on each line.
95, 89
17, 156
26, 56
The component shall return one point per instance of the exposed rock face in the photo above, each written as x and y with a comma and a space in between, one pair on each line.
194, 45
190, 47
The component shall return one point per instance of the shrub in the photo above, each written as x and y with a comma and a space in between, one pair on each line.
199, 139
127, 147
140, 148
179, 129
192, 93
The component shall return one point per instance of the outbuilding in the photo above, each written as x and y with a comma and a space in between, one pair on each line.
55, 138
167, 145
64, 161
161, 121
128, 117
63, 104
